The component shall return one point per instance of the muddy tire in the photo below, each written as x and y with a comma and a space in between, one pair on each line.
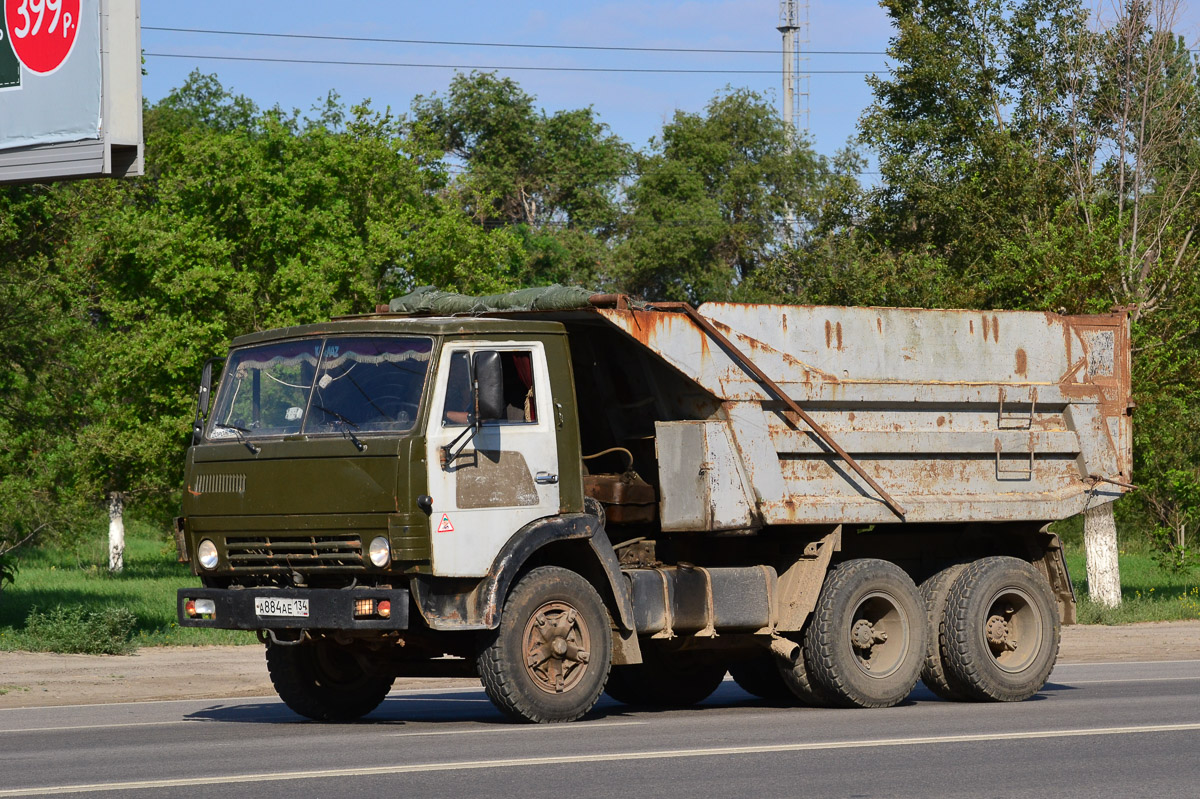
549, 659
1001, 630
866, 642
326, 682
794, 673
665, 680
760, 677
936, 593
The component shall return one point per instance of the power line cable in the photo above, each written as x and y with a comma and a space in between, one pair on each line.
334, 62
517, 45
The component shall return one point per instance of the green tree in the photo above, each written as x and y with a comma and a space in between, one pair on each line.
715, 198
554, 177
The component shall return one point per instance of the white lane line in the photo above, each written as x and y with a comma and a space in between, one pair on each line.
558, 729
1063, 665
1137, 679
662, 754
108, 726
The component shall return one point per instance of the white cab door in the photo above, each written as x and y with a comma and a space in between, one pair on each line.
506, 476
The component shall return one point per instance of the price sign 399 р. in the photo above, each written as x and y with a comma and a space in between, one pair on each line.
41, 32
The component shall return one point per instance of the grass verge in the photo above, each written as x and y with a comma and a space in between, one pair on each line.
63, 599
1148, 591
75, 597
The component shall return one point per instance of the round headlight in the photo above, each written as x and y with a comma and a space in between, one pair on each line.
206, 553
380, 551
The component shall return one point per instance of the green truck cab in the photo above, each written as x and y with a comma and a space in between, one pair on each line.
617, 497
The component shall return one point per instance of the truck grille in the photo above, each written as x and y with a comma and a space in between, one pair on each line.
285, 552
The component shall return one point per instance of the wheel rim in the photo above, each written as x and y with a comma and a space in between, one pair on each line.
879, 634
557, 647
1012, 630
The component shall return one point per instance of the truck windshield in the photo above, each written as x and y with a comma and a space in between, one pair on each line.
363, 384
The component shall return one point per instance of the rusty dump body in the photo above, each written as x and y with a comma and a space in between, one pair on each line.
955, 416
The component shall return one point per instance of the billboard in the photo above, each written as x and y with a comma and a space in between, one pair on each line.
70, 89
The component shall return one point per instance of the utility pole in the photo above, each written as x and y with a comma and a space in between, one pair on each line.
793, 24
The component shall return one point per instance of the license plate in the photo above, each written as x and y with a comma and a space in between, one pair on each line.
275, 606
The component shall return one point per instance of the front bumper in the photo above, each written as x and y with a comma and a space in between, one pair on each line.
328, 609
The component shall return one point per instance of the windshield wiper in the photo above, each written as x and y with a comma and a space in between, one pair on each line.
346, 425
240, 432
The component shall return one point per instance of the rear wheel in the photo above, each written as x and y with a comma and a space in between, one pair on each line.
324, 681
866, 642
1001, 630
936, 592
668, 680
549, 658
760, 677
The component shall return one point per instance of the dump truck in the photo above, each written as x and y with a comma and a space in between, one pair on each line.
567, 494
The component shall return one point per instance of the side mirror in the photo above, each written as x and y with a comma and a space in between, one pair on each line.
203, 398
489, 386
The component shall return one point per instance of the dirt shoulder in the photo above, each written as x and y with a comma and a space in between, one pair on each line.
34, 679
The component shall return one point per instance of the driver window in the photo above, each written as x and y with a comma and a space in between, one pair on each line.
519, 398
518, 386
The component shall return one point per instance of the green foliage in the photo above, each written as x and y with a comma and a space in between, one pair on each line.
713, 198
78, 579
113, 293
555, 177
73, 630
1149, 591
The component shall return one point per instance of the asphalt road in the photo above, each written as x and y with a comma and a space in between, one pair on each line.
1120, 730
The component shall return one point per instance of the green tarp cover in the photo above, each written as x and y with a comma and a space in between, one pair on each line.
429, 300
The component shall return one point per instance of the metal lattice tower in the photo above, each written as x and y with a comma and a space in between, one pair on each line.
793, 24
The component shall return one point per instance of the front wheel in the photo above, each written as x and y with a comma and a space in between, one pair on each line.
866, 642
549, 659
324, 681
1001, 630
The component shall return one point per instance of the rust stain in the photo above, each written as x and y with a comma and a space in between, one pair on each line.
839, 336
1022, 362
941, 421
850, 417
879, 323
971, 322
828, 334
996, 329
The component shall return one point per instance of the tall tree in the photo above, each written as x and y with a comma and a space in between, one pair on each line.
555, 177
715, 197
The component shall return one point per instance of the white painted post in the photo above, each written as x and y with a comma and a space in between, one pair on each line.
116, 531
1100, 546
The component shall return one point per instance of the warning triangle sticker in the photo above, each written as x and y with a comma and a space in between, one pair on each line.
444, 526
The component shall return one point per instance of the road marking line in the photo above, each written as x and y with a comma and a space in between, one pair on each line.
1061, 664
1136, 679
662, 754
557, 728
108, 726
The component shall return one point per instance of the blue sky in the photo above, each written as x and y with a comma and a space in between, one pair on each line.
634, 105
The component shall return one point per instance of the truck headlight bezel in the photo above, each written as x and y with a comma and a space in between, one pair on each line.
206, 554
380, 552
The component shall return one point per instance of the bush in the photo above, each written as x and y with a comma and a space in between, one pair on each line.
108, 631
